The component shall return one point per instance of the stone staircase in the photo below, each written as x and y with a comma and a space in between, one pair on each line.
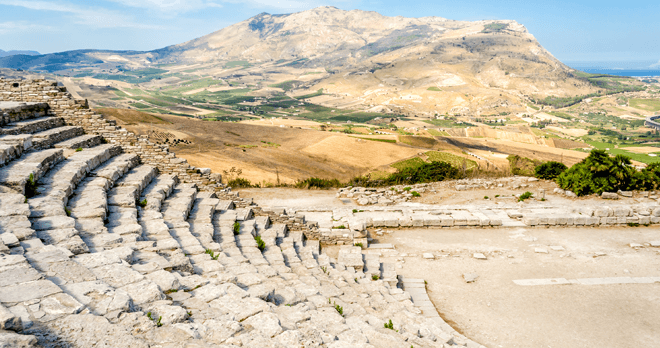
106, 251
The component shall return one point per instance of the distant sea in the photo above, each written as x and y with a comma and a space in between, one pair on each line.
623, 72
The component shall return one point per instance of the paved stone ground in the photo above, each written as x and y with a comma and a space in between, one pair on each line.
497, 312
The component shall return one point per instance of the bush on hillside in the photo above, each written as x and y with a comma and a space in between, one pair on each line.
549, 170
319, 183
428, 172
599, 173
647, 179
239, 182
522, 165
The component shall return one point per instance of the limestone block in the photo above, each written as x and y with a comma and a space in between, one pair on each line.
10, 339
580, 220
628, 194
9, 321
622, 220
165, 280
609, 195
603, 212
432, 220
143, 292
267, 324
168, 315
28, 291
644, 220
496, 222
622, 211
53, 223
530, 221
656, 212
405, 221
417, 221
632, 220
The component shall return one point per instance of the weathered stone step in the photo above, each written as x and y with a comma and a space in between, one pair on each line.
55, 135
14, 176
83, 141
32, 126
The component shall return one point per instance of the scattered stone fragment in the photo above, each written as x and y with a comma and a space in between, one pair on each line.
655, 244
479, 256
636, 245
557, 248
540, 250
470, 277
428, 256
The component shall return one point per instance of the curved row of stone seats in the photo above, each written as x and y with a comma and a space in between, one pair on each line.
89, 204
15, 175
48, 216
260, 290
31, 126
297, 243
237, 297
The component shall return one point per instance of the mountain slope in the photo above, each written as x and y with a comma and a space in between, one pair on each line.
424, 65
13, 53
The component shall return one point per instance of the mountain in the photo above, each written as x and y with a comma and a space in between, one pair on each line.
13, 53
393, 63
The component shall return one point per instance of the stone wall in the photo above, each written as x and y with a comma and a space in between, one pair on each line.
77, 113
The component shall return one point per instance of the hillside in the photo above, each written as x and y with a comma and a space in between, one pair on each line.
393, 64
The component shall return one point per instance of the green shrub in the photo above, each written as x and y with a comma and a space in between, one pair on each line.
239, 182
647, 179
355, 211
525, 196
522, 165
485, 197
340, 227
30, 187
549, 170
142, 203
318, 183
260, 243
428, 172
375, 277
359, 245
415, 194
600, 173
237, 228
79, 149
389, 325
407, 189
67, 211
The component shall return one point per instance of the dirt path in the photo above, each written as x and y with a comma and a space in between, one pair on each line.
498, 313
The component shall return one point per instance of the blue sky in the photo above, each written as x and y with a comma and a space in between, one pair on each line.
615, 33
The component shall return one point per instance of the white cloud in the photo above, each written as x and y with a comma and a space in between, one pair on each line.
23, 27
169, 6
656, 65
93, 17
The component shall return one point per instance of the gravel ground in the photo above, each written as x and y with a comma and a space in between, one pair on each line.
498, 313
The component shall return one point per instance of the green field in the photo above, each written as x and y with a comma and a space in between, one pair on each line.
652, 105
454, 160
640, 157
434, 89
449, 123
436, 156
437, 133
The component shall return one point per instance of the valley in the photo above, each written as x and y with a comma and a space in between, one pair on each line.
477, 90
